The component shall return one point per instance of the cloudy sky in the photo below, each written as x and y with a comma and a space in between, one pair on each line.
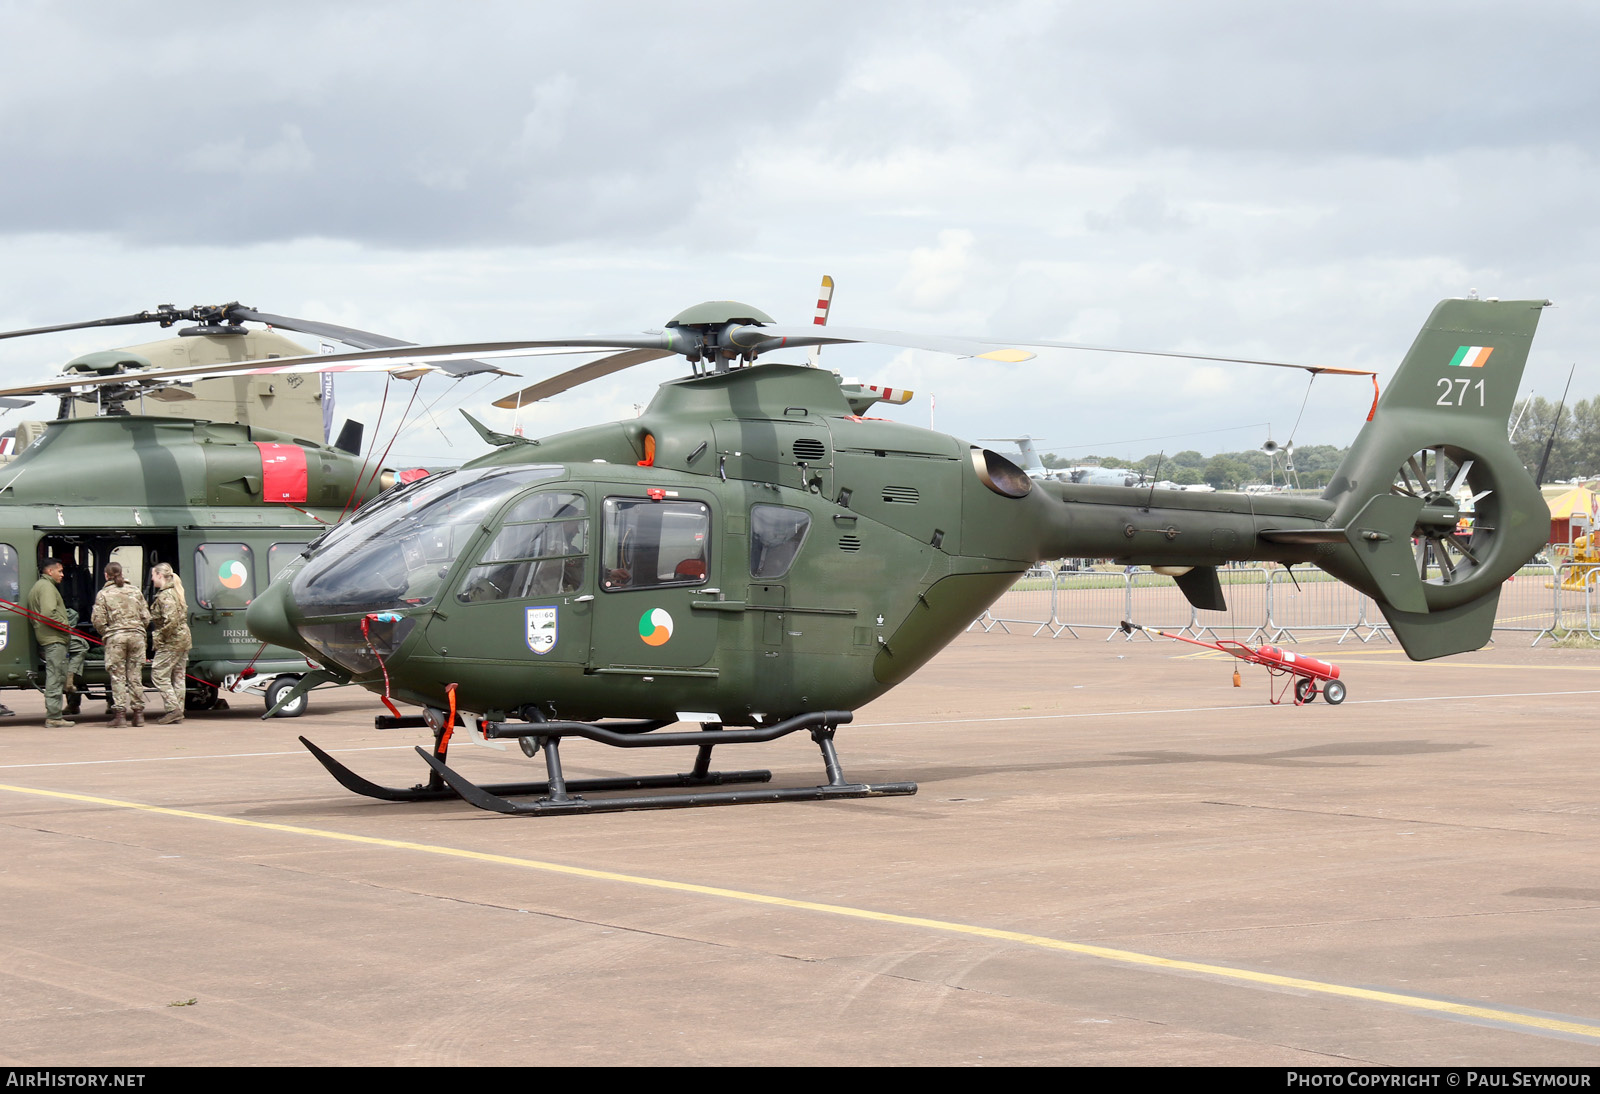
1300, 182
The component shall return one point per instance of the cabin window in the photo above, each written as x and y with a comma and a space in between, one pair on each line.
225, 575
10, 582
776, 533
400, 556
649, 543
539, 551
280, 555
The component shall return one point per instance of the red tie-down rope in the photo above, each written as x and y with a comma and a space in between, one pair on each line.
449, 722
47, 621
384, 617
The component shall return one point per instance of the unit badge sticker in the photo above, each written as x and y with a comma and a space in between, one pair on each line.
541, 629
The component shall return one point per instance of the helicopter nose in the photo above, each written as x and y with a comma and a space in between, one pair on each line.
268, 618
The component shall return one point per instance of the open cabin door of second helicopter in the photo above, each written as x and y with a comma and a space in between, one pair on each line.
17, 656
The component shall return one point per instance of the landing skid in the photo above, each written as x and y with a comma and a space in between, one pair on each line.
559, 797
436, 788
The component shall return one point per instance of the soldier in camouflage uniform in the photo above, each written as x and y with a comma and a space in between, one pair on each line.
121, 615
62, 652
170, 662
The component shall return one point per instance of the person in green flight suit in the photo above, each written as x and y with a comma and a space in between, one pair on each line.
62, 650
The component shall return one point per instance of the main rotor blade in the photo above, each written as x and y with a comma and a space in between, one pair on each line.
605, 366
167, 316
170, 394
405, 370
115, 321
765, 338
350, 336
1335, 369
667, 340
371, 360
228, 312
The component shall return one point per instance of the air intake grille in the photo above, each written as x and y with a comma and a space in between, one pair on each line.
809, 449
905, 495
849, 543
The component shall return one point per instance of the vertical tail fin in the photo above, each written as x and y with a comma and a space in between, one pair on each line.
1435, 505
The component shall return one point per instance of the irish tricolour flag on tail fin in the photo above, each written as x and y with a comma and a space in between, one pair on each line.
1471, 356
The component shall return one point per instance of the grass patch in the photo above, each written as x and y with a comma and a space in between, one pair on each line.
1574, 640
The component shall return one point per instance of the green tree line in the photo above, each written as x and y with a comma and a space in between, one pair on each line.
1577, 437
1574, 453
1313, 466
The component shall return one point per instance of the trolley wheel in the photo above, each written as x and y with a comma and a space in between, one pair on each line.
1305, 690
1333, 692
280, 687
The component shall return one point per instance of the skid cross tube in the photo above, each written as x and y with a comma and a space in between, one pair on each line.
561, 796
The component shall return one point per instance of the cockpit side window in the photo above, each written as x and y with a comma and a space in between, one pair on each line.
400, 557
650, 543
540, 551
776, 534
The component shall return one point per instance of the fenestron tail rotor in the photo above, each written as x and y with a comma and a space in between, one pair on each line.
1456, 529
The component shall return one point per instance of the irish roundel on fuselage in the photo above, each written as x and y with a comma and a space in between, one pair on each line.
655, 627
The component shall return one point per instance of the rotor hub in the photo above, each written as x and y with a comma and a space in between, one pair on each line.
719, 313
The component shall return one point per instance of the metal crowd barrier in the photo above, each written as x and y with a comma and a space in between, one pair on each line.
1248, 592
1273, 605
1031, 602
1577, 600
1532, 601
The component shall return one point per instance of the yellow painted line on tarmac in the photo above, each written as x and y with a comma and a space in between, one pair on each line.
1422, 1004
212, 756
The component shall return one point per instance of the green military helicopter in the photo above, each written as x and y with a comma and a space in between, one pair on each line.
753, 554
226, 502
